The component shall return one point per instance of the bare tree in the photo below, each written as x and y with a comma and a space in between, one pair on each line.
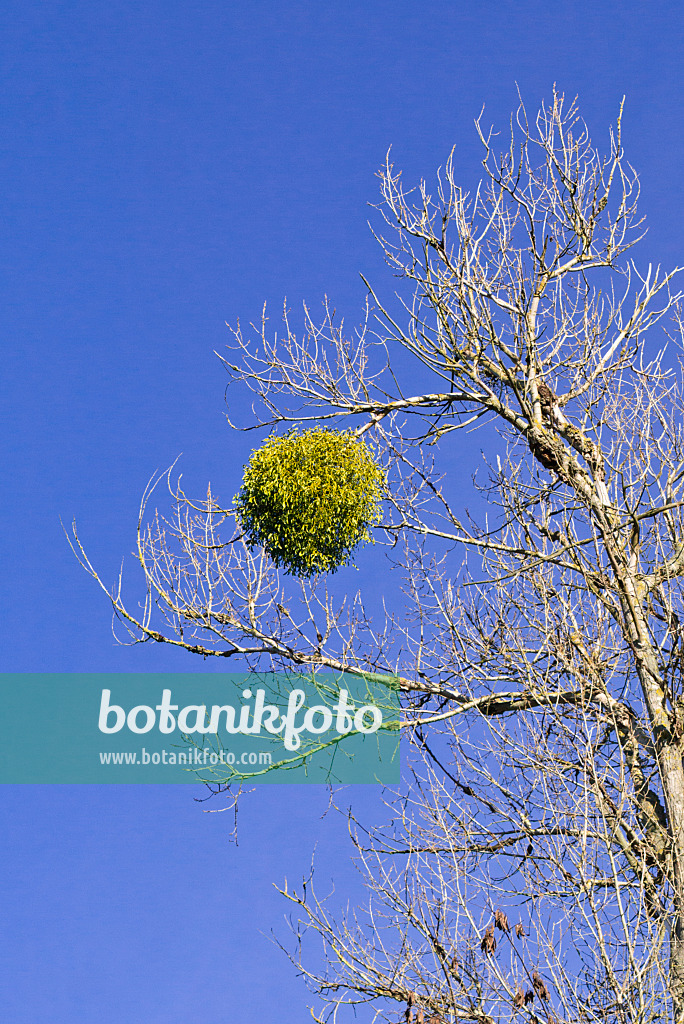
535, 869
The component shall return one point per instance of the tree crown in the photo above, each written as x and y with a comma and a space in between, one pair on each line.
543, 678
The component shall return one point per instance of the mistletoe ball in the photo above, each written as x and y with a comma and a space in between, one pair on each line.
309, 499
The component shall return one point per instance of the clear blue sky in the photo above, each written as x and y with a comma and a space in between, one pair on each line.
165, 167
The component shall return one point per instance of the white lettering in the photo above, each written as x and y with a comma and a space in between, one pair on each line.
106, 709
325, 713
132, 719
344, 723
230, 718
200, 712
294, 703
376, 715
167, 722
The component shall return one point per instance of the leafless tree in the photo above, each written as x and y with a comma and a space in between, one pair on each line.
535, 866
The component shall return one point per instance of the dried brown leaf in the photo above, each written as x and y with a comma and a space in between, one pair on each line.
488, 944
501, 921
539, 986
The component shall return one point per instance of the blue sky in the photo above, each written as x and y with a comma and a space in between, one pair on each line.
164, 168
